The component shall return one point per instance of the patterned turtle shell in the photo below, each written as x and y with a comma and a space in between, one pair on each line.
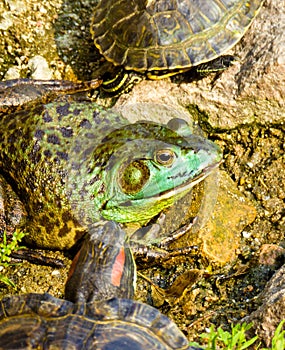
169, 35
41, 321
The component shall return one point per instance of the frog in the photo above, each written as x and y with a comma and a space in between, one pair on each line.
73, 162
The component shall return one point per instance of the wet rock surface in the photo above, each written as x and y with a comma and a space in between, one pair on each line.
243, 111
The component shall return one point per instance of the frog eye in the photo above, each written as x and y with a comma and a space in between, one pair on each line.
133, 177
164, 156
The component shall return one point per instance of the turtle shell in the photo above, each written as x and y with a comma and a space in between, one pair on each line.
155, 35
41, 321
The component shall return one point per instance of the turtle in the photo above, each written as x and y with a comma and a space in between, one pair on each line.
161, 38
71, 163
98, 312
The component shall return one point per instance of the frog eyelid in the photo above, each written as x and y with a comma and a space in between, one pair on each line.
163, 151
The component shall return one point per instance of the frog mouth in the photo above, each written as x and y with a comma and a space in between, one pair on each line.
143, 209
186, 186
183, 188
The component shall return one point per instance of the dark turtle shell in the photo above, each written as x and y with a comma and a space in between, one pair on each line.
40, 321
155, 35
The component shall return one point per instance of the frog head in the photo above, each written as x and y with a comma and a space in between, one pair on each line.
149, 166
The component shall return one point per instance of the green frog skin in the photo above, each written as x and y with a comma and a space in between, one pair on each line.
72, 163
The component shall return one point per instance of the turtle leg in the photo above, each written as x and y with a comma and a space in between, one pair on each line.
147, 256
150, 248
151, 234
119, 81
180, 232
218, 65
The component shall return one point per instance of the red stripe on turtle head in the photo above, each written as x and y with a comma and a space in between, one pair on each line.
118, 268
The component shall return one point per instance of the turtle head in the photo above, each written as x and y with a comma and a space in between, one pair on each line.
104, 266
150, 167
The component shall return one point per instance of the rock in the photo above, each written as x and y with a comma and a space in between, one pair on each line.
222, 212
12, 73
272, 310
271, 255
39, 68
232, 213
247, 91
